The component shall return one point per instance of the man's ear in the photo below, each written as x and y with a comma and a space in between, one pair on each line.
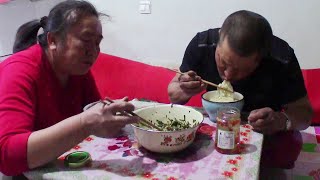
51, 39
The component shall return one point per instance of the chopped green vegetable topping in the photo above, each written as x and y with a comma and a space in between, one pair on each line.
173, 124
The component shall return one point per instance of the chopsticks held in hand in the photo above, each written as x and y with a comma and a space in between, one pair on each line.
204, 81
130, 113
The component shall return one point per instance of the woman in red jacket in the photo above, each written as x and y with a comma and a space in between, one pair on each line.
45, 85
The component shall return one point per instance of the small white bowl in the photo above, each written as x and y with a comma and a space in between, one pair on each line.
167, 141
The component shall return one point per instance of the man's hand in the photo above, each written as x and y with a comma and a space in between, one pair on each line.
183, 87
191, 83
267, 121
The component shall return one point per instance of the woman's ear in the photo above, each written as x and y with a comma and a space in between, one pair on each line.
51, 39
52, 46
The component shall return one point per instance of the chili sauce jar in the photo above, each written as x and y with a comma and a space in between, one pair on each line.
228, 130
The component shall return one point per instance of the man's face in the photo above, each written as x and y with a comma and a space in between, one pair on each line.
231, 66
80, 48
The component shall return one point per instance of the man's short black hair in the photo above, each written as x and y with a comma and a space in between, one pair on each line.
247, 33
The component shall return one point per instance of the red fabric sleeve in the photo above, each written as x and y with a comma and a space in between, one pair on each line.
17, 104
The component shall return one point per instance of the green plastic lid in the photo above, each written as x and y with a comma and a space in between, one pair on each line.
77, 159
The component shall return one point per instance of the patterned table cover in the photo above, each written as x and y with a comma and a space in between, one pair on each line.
122, 158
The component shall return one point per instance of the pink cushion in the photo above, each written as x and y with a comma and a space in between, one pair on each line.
118, 77
312, 83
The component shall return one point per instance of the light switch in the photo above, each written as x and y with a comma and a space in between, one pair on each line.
145, 7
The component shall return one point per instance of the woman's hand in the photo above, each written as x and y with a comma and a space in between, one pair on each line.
106, 120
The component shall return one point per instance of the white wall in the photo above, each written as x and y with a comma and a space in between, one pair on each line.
160, 38
12, 15
17, 12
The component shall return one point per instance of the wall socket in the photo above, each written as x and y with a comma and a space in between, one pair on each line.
145, 7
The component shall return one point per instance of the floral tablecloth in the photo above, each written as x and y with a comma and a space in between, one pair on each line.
122, 158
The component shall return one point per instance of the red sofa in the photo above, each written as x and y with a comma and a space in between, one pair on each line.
312, 83
118, 77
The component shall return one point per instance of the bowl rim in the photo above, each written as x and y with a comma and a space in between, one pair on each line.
221, 102
88, 106
184, 106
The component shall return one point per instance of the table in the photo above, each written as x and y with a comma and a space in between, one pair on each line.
122, 158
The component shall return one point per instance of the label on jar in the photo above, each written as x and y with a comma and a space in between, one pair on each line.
225, 139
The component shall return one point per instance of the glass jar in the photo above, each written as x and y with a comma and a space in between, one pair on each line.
228, 130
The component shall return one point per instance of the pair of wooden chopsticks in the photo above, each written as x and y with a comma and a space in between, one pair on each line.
128, 113
204, 81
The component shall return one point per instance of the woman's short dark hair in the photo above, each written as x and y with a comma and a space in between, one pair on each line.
247, 32
60, 18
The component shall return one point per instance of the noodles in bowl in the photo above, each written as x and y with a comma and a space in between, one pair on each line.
213, 100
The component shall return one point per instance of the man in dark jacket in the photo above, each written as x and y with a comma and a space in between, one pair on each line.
260, 66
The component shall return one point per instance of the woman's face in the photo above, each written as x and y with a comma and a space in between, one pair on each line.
76, 53
231, 66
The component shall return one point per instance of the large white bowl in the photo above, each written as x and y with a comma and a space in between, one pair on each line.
167, 141
212, 107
